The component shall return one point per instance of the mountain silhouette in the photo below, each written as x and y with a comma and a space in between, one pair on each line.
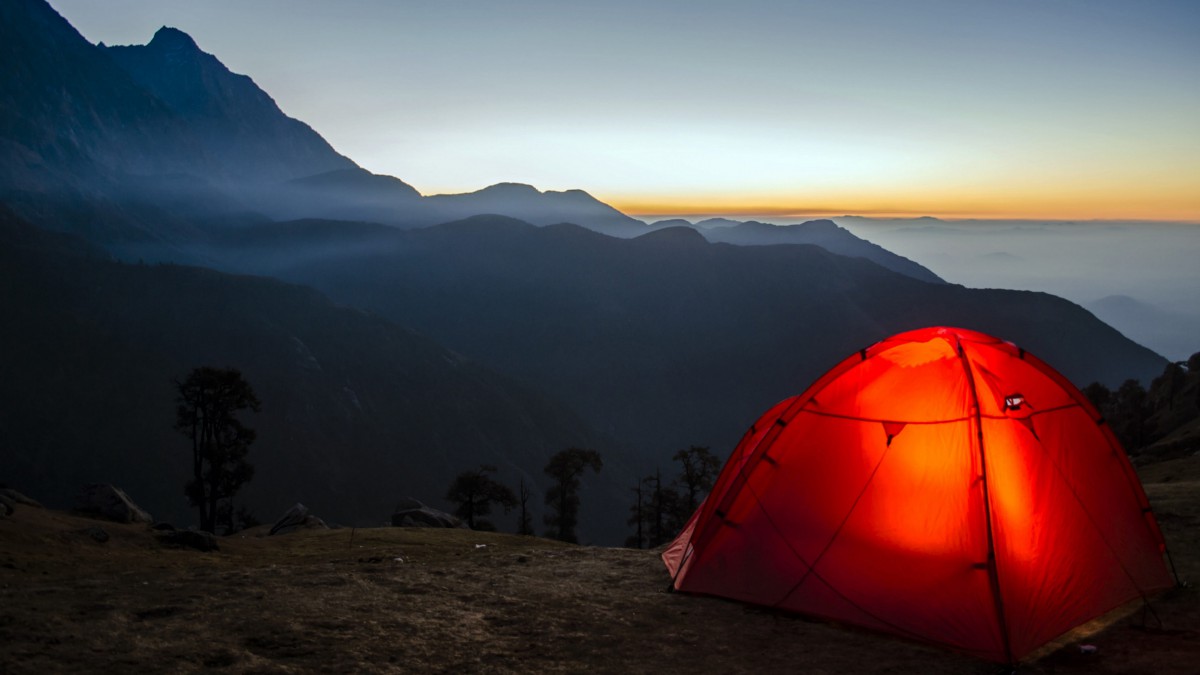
665, 339
138, 142
357, 411
245, 136
1150, 324
824, 233
526, 203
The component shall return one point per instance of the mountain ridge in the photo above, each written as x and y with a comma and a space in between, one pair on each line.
210, 143
357, 411
708, 334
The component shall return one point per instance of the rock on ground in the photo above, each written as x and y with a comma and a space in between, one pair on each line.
194, 539
14, 496
297, 518
412, 513
107, 501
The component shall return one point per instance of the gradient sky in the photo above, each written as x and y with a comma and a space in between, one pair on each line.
954, 108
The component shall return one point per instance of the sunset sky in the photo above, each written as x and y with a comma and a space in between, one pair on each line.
955, 108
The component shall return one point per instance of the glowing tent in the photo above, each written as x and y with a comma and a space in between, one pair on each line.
942, 485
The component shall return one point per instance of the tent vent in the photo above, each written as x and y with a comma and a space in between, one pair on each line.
1014, 402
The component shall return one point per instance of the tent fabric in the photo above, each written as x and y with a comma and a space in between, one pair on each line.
943, 485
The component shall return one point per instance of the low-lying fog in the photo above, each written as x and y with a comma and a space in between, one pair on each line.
1142, 278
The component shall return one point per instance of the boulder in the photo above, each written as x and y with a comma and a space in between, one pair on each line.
412, 513
297, 518
18, 498
194, 539
103, 500
7, 506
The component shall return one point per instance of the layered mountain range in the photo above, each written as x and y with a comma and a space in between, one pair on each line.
396, 338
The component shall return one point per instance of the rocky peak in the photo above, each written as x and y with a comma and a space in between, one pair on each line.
172, 39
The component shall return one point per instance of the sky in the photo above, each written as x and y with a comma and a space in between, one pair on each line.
1052, 109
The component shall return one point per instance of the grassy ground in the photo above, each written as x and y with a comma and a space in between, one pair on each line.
396, 599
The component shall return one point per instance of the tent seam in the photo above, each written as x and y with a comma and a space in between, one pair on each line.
993, 566
1091, 519
812, 568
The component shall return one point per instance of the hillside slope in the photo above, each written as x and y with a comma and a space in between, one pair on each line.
357, 412
666, 339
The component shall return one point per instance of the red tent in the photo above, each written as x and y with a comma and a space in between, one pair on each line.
942, 485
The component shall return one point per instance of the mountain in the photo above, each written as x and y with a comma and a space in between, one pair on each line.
69, 116
135, 134
524, 202
670, 222
131, 147
357, 411
1174, 334
90, 116
666, 339
135, 143
346, 194
824, 233
245, 136
714, 223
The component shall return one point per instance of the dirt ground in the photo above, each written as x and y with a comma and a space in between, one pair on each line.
410, 600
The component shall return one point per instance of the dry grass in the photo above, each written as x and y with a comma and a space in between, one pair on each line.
410, 600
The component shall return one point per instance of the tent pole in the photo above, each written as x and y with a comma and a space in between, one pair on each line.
993, 574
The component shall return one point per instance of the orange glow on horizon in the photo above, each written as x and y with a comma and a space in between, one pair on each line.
650, 208
1169, 197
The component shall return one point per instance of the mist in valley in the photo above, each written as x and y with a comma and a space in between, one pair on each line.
1140, 277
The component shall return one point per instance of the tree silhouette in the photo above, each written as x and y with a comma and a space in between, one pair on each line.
1130, 413
208, 403
475, 492
1100, 396
525, 522
637, 517
660, 511
1165, 389
566, 468
698, 471
662, 514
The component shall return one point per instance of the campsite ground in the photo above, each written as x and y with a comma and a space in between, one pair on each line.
393, 599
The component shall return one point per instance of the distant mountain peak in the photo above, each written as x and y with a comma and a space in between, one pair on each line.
575, 195
712, 223
674, 236
172, 39
510, 189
